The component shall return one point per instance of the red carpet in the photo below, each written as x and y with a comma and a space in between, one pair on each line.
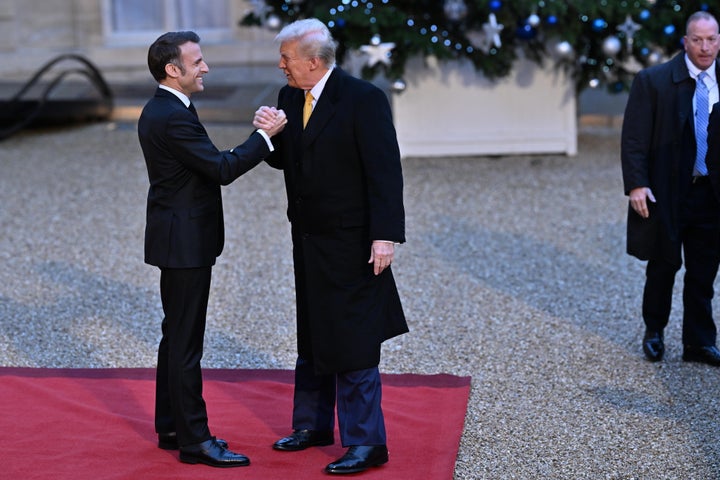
84, 424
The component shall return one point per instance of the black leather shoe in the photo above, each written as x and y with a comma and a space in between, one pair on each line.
653, 345
709, 355
211, 453
359, 458
168, 441
302, 439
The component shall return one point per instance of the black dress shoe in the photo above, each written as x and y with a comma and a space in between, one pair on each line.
210, 452
359, 458
302, 439
168, 441
708, 354
653, 345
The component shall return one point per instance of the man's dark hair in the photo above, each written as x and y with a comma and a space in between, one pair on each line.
699, 15
166, 49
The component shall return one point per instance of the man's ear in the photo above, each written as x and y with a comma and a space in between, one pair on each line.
172, 70
315, 63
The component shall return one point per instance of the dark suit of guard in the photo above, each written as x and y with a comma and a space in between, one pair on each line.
658, 151
344, 186
183, 237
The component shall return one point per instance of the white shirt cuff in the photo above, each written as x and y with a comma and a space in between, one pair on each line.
267, 138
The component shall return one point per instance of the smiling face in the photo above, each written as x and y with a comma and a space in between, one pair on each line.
189, 78
701, 42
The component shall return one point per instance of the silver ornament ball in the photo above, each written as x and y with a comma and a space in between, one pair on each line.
455, 10
398, 86
273, 22
533, 20
564, 49
654, 58
611, 46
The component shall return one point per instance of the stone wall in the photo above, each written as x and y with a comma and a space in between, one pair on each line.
35, 31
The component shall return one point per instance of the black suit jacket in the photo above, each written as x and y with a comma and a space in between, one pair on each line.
344, 184
658, 151
184, 207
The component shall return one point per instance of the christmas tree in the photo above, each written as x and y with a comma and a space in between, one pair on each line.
600, 43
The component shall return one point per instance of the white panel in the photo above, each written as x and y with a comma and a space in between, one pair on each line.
450, 109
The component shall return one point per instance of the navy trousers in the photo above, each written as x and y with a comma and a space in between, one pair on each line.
357, 394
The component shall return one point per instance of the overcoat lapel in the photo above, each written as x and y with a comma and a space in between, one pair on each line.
685, 91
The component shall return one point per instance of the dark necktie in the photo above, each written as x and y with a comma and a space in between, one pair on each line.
701, 123
192, 109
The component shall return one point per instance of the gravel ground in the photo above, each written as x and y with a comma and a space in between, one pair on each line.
514, 273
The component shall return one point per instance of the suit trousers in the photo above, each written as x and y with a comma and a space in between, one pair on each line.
358, 394
179, 405
699, 235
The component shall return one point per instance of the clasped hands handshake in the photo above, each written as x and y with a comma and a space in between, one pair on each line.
269, 119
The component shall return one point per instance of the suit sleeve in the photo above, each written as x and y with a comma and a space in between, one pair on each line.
637, 132
380, 155
189, 142
275, 158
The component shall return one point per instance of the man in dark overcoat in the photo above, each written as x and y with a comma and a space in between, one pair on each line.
344, 186
673, 213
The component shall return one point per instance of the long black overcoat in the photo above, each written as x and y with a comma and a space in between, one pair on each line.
658, 151
344, 185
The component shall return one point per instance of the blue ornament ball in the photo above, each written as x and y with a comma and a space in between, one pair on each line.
552, 20
669, 30
599, 24
495, 5
645, 15
526, 32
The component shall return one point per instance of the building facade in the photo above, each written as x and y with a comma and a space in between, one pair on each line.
115, 34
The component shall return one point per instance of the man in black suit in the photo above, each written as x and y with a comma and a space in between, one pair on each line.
344, 185
673, 213
184, 235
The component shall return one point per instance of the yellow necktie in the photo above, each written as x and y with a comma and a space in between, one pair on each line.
307, 108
